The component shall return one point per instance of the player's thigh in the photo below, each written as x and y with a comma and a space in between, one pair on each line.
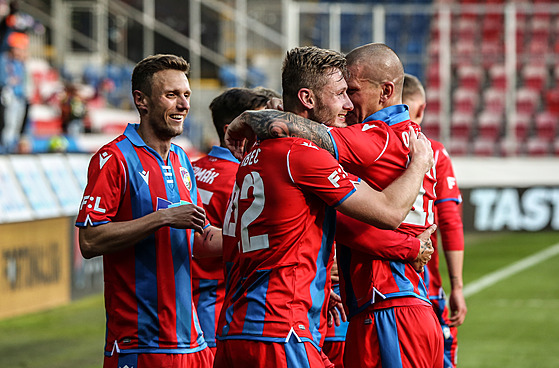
260, 354
334, 350
410, 336
200, 359
361, 344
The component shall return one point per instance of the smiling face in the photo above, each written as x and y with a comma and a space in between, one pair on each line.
363, 94
168, 104
332, 102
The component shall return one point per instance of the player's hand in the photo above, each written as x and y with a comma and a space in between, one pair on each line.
275, 103
425, 250
239, 135
420, 150
457, 307
334, 275
336, 312
188, 216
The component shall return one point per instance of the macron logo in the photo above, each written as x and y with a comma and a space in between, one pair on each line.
367, 127
145, 176
103, 158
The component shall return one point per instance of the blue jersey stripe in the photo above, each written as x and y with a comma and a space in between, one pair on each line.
317, 287
206, 309
385, 322
145, 265
296, 354
256, 309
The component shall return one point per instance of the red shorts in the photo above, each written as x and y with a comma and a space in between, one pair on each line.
449, 333
200, 359
334, 350
261, 354
402, 336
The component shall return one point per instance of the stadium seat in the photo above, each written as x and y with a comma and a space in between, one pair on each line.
494, 100
534, 76
522, 126
498, 76
556, 147
527, 100
546, 126
489, 125
537, 147
457, 147
484, 147
461, 124
465, 100
552, 101
431, 126
470, 76
433, 100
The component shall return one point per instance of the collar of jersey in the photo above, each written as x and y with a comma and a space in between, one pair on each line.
131, 133
391, 115
222, 153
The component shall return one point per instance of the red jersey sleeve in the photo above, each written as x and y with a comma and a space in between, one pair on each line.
447, 187
315, 170
359, 145
450, 225
106, 183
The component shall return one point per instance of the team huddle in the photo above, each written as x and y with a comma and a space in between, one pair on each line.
306, 239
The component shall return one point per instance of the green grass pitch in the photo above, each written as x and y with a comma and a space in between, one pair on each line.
512, 323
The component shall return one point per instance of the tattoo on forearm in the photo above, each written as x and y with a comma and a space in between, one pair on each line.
279, 124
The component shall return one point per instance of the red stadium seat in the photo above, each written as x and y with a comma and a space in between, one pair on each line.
461, 124
433, 100
534, 76
537, 147
484, 147
546, 125
470, 76
489, 125
494, 100
498, 76
431, 126
527, 100
552, 101
522, 125
465, 100
556, 147
458, 147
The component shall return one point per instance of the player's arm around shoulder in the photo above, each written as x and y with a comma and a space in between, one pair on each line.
387, 209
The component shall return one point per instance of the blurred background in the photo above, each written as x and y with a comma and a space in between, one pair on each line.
490, 69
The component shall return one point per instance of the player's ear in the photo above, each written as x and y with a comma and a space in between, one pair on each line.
140, 101
421, 111
225, 128
387, 91
306, 97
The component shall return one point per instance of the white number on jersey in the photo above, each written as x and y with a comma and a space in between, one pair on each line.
249, 243
418, 216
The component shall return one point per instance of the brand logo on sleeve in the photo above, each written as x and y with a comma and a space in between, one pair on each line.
103, 158
367, 127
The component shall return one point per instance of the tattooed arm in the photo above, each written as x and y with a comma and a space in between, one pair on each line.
265, 124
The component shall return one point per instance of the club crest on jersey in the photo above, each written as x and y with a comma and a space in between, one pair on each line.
185, 175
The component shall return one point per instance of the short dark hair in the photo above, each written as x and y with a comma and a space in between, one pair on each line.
412, 86
268, 92
231, 103
305, 67
143, 72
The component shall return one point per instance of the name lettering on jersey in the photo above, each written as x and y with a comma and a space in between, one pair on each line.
336, 176
310, 145
185, 175
251, 158
368, 126
451, 182
145, 175
205, 175
88, 200
103, 158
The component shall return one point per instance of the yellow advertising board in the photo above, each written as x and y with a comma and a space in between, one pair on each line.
34, 265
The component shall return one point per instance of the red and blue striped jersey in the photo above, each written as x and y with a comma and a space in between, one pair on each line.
148, 292
377, 151
277, 237
451, 229
215, 176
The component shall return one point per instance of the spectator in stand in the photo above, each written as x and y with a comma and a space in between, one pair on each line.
13, 86
215, 175
449, 221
